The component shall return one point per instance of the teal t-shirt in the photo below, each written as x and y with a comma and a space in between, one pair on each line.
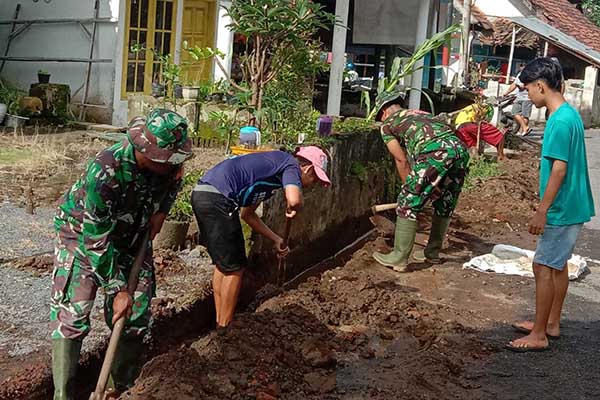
564, 140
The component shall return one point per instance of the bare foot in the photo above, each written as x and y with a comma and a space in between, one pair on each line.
530, 342
551, 329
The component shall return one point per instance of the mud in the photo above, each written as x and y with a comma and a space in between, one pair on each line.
38, 265
504, 203
357, 331
363, 331
352, 333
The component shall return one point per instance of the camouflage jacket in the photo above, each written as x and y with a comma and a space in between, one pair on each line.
419, 132
102, 215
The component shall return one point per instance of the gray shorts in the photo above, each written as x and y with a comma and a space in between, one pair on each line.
522, 107
556, 245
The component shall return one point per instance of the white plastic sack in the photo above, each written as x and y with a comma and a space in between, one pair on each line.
511, 260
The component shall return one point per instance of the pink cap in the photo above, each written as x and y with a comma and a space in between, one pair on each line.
318, 159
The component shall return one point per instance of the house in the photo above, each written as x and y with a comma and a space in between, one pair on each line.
561, 30
60, 30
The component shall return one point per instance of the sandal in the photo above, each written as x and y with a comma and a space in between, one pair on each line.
525, 349
526, 331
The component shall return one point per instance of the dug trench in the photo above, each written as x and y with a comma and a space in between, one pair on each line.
352, 329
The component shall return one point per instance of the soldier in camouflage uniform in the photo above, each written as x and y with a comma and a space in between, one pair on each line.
127, 189
432, 163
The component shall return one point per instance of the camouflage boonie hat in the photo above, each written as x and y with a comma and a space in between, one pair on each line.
161, 137
383, 100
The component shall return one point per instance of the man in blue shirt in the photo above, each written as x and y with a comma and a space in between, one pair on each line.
566, 202
242, 183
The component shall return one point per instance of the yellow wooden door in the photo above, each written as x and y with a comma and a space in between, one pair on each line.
199, 18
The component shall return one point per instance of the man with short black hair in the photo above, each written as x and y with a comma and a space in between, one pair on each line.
566, 202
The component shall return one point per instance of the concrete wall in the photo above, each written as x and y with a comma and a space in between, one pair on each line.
63, 40
334, 217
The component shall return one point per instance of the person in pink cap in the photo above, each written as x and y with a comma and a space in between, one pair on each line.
235, 188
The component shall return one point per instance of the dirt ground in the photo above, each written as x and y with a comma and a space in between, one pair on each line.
50, 164
363, 331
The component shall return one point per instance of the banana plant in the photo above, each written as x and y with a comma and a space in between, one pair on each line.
405, 66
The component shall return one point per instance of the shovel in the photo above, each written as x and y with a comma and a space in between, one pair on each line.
99, 393
282, 267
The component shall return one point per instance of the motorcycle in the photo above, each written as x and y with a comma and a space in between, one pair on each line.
507, 118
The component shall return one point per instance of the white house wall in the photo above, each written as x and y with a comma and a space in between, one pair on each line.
63, 40
223, 40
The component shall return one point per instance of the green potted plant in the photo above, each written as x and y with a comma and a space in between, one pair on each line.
175, 227
43, 76
12, 98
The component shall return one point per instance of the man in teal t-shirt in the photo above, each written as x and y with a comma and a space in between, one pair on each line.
566, 203
564, 140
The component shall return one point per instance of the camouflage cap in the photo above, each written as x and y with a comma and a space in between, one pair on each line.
383, 99
161, 137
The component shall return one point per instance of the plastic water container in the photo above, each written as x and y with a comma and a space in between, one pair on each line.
324, 125
250, 136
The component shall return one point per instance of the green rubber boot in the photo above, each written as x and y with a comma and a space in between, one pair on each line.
404, 239
65, 360
127, 363
439, 227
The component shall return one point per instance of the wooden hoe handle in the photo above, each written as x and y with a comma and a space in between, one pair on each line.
383, 207
120, 324
282, 267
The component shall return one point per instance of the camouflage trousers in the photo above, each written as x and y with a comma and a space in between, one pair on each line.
437, 176
74, 287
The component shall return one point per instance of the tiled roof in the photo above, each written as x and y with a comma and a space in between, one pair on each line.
565, 17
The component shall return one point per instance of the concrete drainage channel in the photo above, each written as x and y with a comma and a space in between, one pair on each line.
170, 330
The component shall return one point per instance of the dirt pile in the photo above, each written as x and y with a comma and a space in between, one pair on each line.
505, 202
352, 333
38, 265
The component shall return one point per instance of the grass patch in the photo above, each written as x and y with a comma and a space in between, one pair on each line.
9, 156
480, 170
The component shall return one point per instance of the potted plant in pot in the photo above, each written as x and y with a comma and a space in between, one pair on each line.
43, 76
190, 92
11, 97
175, 228
3, 103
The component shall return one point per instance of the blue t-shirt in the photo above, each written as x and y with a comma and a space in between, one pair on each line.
253, 178
564, 140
